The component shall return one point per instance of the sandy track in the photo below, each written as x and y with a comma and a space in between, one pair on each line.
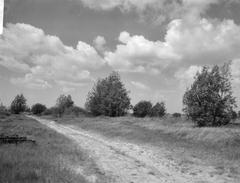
132, 163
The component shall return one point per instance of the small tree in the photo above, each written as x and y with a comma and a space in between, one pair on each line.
18, 105
142, 109
38, 109
63, 102
108, 97
209, 101
158, 110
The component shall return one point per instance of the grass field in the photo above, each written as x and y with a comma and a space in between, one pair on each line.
51, 159
219, 147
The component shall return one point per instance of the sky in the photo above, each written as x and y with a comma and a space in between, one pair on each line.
53, 47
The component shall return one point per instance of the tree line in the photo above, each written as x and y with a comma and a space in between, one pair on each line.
207, 102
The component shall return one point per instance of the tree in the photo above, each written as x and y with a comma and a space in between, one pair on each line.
63, 102
38, 108
158, 110
18, 105
108, 97
142, 109
209, 101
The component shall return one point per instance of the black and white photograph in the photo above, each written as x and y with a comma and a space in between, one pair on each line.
119, 91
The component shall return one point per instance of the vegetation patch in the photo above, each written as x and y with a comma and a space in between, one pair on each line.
44, 161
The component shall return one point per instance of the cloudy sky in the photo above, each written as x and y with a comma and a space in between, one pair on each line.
50, 47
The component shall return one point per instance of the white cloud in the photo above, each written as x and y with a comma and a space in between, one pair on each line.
30, 82
185, 76
160, 10
187, 42
140, 85
44, 59
99, 43
137, 54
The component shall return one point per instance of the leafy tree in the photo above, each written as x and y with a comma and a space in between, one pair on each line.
38, 108
108, 97
18, 105
158, 110
142, 109
209, 101
63, 102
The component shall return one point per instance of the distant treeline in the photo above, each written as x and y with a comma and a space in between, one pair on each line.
208, 101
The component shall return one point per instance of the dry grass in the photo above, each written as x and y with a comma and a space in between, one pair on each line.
50, 160
215, 146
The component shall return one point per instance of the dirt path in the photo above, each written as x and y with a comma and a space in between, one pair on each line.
131, 163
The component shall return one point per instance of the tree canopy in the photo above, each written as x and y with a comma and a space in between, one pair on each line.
18, 105
108, 97
209, 100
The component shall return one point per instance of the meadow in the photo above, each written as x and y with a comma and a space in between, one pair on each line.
218, 147
51, 159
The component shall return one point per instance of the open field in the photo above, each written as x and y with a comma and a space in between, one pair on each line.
53, 159
170, 145
116, 150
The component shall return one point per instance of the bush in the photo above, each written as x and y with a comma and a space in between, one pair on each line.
4, 111
142, 109
75, 110
209, 101
18, 105
38, 109
48, 112
177, 115
158, 110
108, 97
234, 115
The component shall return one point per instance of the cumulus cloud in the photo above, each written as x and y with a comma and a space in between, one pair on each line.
185, 76
43, 59
137, 54
99, 43
186, 43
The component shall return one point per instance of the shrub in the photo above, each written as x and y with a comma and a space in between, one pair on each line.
142, 109
4, 111
48, 112
108, 97
74, 110
18, 105
158, 110
38, 108
238, 114
209, 101
234, 115
177, 115
56, 111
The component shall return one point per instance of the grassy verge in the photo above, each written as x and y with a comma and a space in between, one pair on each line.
54, 158
219, 147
